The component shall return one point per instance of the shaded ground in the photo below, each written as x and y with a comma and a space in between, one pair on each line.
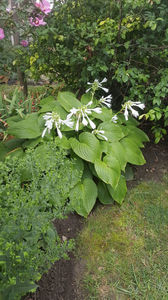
60, 282
156, 162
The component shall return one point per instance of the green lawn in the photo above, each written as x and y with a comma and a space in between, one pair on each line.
126, 248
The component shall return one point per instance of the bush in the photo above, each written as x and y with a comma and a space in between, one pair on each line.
125, 41
34, 190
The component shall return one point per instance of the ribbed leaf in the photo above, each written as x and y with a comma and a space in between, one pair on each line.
103, 194
137, 135
106, 114
85, 98
108, 170
88, 146
54, 106
68, 100
119, 193
132, 152
112, 131
26, 129
116, 150
83, 197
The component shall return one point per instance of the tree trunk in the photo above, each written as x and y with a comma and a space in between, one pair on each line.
15, 41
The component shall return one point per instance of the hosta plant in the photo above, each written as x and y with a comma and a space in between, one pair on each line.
103, 142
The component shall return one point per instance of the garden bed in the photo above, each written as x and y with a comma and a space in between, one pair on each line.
61, 282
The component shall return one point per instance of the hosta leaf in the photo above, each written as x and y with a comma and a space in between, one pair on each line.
133, 154
137, 135
83, 197
68, 100
88, 146
47, 100
103, 194
130, 121
119, 193
112, 131
116, 150
87, 172
108, 170
85, 98
106, 115
56, 107
26, 129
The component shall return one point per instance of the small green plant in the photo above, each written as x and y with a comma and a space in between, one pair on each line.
102, 141
33, 192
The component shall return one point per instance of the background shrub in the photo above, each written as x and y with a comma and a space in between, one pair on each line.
124, 41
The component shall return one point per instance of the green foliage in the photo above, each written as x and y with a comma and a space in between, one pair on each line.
125, 41
101, 158
34, 191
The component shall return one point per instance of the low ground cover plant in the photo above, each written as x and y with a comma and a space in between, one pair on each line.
33, 192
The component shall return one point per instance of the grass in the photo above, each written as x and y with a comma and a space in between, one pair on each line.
125, 248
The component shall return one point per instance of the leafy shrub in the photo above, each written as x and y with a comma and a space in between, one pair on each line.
34, 190
125, 41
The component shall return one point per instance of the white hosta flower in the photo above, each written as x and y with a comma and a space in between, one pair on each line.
96, 85
100, 133
114, 119
54, 119
106, 101
82, 115
128, 106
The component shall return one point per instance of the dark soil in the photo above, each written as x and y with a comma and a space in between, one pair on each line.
60, 283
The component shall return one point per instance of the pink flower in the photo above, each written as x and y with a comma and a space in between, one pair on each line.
2, 35
24, 43
37, 21
44, 6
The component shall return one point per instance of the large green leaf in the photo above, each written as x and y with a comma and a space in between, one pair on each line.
47, 100
112, 131
68, 100
119, 193
88, 146
103, 194
56, 107
108, 170
137, 135
106, 115
85, 98
133, 154
117, 150
26, 129
83, 197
